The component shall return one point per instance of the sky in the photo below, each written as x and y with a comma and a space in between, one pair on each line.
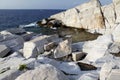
43, 4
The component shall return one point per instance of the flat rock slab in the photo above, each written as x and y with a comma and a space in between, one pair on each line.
43, 72
3, 50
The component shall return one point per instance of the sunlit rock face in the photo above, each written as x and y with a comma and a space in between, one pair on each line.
86, 16
117, 10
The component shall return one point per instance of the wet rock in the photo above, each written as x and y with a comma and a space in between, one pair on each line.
86, 67
76, 56
43, 72
63, 49
4, 50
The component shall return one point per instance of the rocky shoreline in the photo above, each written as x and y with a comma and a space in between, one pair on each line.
29, 56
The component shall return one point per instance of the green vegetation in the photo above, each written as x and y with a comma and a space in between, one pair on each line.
22, 67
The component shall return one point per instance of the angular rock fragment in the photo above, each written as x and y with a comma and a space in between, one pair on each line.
3, 50
63, 49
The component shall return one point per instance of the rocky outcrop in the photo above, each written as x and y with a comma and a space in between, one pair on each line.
90, 16
87, 16
43, 72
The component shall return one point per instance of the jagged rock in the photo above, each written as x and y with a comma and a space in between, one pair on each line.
63, 49
109, 17
43, 72
117, 10
3, 50
78, 17
76, 56
97, 48
66, 67
116, 33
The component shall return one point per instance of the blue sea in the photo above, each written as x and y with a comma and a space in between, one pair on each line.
14, 18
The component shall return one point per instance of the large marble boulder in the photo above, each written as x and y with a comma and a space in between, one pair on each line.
97, 48
14, 42
35, 46
63, 49
78, 17
66, 67
117, 10
43, 72
4, 50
